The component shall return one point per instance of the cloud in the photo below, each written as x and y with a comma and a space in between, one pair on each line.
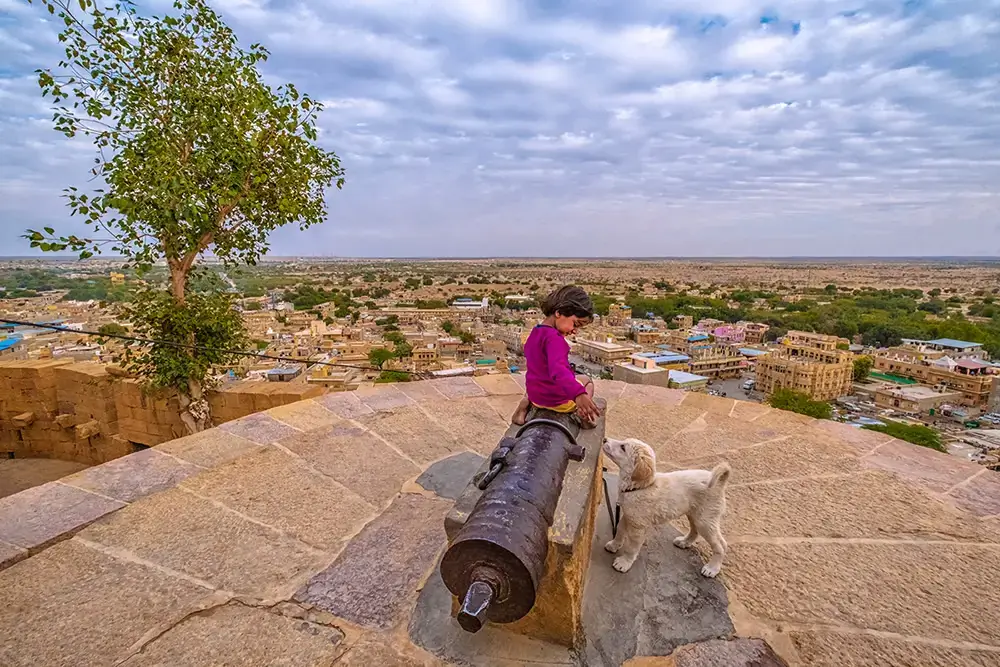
695, 127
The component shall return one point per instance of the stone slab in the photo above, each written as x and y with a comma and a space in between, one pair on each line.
304, 415
980, 495
661, 603
21, 474
10, 554
449, 477
386, 397
355, 458
934, 590
712, 435
134, 476
653, 395
833, 649
377, 652
373, 581
344, 404
861, 440
933, 470
460, 387
238, 636
198, 537
741, 652
45, 514
831, 508
412, 432
782, 459
259, 427
473, 421
209, 448
433, 628
631, 418
499, 385
72, 606
422, 391
282, 491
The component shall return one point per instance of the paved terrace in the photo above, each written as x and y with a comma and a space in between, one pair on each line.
309, 535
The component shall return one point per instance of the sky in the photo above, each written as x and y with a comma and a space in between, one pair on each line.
600, 128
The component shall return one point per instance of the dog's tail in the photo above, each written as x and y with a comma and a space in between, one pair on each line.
720, 475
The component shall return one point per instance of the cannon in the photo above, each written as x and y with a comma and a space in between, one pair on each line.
496, 561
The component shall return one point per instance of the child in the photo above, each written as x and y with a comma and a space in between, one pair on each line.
550, 382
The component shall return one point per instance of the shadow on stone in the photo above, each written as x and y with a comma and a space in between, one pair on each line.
449, 477
662, 603
433, 628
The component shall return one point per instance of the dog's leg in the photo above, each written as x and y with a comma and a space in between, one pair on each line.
634, 538
713, 534
685, 541
612, 546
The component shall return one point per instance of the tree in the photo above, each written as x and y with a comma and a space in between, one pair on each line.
196, 154
448, 327
862, 367
394, 336
378, 356
251, 305
796, 401
915, 433
466, 337
882, 335
112, 329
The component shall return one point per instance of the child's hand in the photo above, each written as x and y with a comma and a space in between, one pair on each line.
587, 408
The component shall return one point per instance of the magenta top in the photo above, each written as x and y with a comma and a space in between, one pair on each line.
550, 381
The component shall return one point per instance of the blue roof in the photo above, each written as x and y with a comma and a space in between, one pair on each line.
684, 377
9, 342
750, 352
665, 358
951, 342
695, 337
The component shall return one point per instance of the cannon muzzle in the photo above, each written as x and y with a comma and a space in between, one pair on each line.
495, 563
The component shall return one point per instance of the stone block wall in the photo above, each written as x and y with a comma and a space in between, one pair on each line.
60, 409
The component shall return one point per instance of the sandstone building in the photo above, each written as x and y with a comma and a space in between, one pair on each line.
809, 363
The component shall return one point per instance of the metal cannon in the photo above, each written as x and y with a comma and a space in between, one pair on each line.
495, 563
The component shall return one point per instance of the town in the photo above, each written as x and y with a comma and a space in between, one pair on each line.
912, 358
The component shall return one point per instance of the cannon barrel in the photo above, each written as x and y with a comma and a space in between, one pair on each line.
496, 561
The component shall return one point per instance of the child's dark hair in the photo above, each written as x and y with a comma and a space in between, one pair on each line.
569, 300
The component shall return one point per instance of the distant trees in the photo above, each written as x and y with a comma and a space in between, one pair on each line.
882, 335
378, 356
796, 401
466, 337
915, 433
448, 327
862, 367
112, 329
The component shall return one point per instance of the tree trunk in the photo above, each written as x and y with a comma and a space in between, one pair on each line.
195, 411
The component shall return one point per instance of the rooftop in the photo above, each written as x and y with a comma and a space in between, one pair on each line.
665, 357
683, 377
951, 342
309, 534
603, 345
9, 342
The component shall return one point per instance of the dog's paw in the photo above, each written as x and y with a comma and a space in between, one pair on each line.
611, 547
682, 543
623, 564
711, 570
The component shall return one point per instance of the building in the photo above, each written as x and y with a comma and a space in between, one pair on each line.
494, 348
687, 381
603, 353
729, 335
684, 341
641, 370
466, 304
425, 356
514, 337
668, 359
915, 399
810, 363
755, 332
974, 379
716, 361
618, 314
117, 278
13, 347
956, 349
683, 322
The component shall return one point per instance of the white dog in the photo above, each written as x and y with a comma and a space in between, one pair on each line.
648, 499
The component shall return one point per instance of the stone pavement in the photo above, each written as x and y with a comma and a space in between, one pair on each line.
305, 534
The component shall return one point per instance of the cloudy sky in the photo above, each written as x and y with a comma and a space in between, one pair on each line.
602, 127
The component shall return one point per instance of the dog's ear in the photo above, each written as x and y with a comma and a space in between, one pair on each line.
643, 468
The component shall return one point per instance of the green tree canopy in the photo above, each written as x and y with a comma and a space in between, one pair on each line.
378, 356
796, 401
196, 154
862, 367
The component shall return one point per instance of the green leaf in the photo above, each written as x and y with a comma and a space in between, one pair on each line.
49, 231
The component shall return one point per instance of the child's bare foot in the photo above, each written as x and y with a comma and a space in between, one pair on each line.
521, 413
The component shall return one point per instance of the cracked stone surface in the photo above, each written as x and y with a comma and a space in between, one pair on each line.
846, 547
239, 636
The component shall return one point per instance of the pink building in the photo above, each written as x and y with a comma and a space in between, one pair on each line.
729, 335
